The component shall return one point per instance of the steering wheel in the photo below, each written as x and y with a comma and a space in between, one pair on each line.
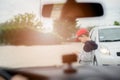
5, 74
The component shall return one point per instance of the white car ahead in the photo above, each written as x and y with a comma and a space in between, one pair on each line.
108, 40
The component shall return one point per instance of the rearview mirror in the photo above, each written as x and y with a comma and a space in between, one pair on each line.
72, 10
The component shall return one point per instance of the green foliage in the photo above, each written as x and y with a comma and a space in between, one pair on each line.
116, 23
15, 29
22, 21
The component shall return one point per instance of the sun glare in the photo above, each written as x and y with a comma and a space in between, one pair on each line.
47, 25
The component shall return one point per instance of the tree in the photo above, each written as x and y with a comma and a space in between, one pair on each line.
116, 23
22, 30
21, 21
25, 20
17, 28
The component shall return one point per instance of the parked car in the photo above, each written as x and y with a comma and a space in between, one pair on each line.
108, 40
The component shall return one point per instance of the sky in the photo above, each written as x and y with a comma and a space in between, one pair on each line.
9, 8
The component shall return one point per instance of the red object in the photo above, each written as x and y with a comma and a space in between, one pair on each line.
81, 32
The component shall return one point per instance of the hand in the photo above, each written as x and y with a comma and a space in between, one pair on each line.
1, 78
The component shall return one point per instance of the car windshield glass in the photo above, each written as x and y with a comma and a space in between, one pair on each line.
109, 35
28, 39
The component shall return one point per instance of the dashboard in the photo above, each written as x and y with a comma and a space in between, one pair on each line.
60, 73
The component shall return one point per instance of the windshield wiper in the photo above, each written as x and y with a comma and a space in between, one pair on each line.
105, 40
117, 40
109, 40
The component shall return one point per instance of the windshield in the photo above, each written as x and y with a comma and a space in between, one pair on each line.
29, 39
109, 35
